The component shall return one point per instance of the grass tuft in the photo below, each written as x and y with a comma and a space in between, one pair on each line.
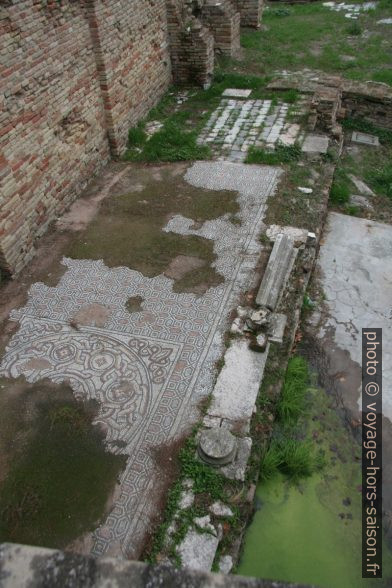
381, 180
340, 189
282, 154
354, 29
292, 400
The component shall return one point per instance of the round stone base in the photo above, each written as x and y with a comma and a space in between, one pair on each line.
217, 447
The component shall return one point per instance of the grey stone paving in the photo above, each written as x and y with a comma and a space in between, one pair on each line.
236, 125
149, 369
356, 264
315, 144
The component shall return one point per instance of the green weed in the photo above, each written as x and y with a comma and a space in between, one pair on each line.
340, 189
282, 154
297, 459
291, 96
171, 143
292, 400
359, 124
137, 136
351, 209
381, 180
271, 462
354, 29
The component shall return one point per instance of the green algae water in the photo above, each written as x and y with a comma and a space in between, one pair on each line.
310, 532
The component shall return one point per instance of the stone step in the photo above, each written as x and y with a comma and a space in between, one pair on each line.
279, 267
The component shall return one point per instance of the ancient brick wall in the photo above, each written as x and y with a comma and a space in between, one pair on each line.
251, 12
191, 43
77, 75
74, 72
53, 135
371, 101
133, 60
223, 19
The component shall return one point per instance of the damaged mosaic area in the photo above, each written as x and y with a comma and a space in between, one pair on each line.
149, 368
236, 125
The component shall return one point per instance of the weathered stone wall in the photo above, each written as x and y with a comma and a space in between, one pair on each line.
74, 73
22, 566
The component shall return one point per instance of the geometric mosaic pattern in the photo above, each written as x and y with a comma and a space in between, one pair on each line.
148, 369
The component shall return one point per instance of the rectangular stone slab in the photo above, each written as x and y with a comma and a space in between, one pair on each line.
315, 144
237, 93
278, 325
277, 272
238, 383
365, 139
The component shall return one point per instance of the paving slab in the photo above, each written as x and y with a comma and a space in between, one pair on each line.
197, 550
315, 144
237, 93
238, 383
149, 369
356, 264
361, 201
277, 272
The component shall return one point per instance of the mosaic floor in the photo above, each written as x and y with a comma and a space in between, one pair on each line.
237, 124
147, 369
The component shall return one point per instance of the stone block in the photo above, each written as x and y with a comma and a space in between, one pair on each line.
278, 269
237, 93
238, 383
315, 144
365, 139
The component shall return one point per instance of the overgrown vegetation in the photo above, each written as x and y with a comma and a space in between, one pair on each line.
370, 164
208, 484
381, 180
292, 398
177, 139
360, 124
289, 451
171, 143
340, 189
282, 154
312, 36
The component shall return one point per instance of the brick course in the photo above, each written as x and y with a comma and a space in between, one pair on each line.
76, 76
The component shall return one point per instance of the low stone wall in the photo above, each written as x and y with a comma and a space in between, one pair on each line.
36, 567
337, 98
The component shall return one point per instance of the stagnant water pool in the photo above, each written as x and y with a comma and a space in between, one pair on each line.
310, 532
